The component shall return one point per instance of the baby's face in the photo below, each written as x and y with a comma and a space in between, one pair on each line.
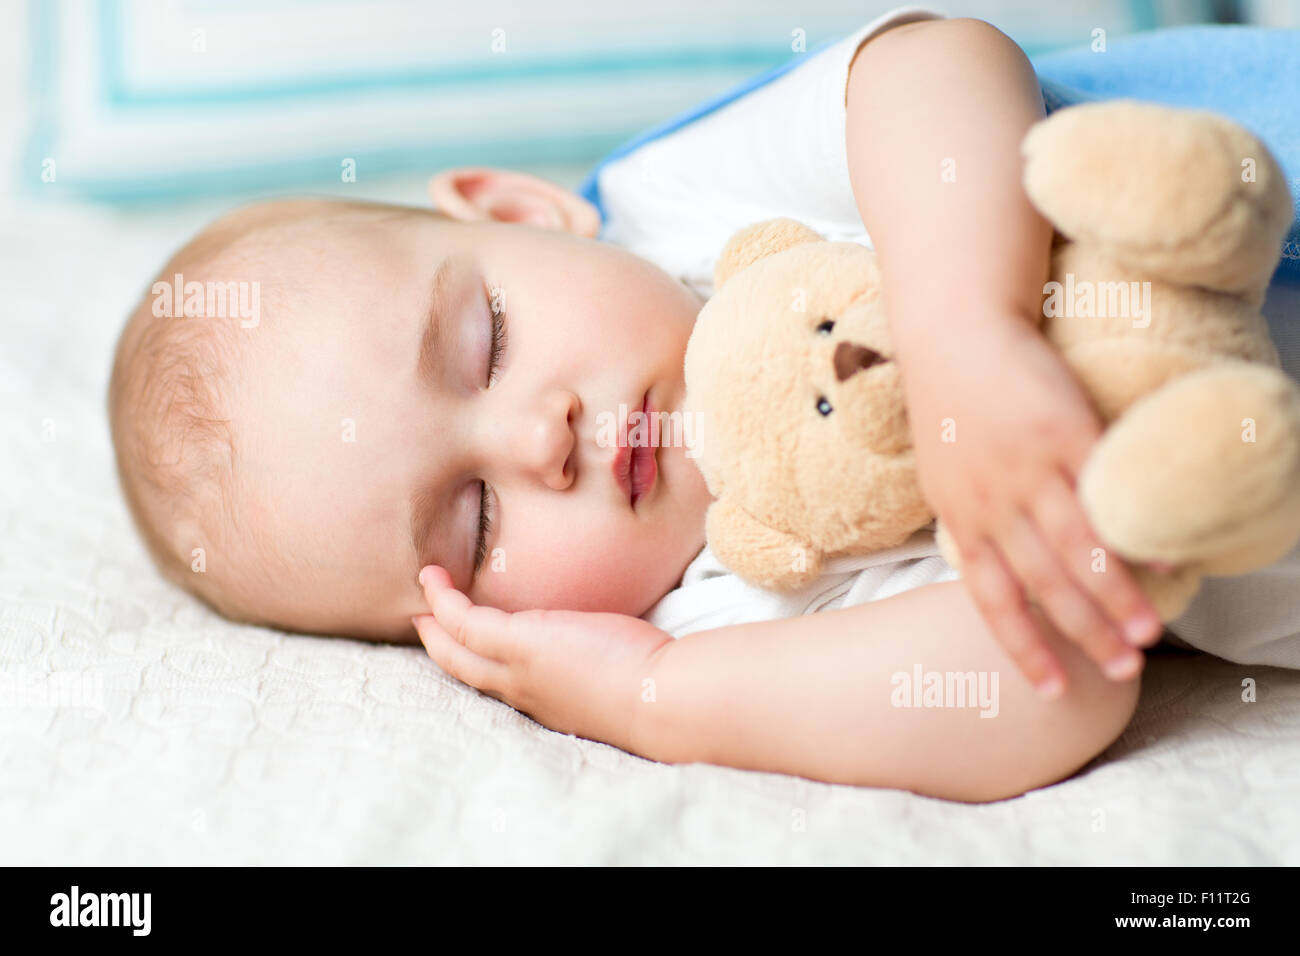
373, 424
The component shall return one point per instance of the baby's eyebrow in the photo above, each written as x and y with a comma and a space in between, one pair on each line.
433, 339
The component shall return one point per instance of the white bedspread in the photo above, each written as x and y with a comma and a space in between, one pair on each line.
137, 728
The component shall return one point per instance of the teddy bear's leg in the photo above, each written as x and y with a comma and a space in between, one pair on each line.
759, 553
1183, 195
1204, 471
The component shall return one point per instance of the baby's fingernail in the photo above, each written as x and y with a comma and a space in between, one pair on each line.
1124, 666
424, 575
1141, 630
1052, 687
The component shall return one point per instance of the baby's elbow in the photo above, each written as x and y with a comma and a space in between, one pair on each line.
1067, 734
1105, 708
1094, 726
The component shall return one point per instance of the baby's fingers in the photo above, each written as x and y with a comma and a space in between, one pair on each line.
1001, 603
1103, 576
457, 660
484, 630
1068, 606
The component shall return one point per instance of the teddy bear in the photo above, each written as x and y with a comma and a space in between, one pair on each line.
1168, 224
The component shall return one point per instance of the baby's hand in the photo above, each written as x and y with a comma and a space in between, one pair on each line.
1002, 429
576, 672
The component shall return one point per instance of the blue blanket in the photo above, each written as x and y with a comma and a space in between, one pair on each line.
1249, 74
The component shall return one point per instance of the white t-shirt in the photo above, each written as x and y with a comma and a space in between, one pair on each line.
780, 150
711, 596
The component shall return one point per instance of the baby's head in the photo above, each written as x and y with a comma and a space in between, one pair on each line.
294, 462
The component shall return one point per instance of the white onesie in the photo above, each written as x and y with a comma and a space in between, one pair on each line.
678, 193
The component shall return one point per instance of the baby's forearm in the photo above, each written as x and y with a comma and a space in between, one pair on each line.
936, 114
819, 696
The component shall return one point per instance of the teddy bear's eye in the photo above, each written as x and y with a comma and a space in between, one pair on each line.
825, 326
824, 406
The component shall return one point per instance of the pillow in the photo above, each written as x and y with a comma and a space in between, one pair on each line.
143, 100
138, 99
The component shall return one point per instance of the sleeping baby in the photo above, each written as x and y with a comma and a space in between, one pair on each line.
412, 440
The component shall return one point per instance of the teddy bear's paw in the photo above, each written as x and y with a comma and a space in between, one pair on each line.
1188, 196
757, 552
1204, 471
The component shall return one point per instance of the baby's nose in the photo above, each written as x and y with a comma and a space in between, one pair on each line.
545, 442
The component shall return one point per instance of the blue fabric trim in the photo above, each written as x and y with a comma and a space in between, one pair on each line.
272, 178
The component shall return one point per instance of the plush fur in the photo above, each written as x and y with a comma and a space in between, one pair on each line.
804, 437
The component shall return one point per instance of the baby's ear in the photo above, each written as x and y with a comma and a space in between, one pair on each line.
477, 193
757, 242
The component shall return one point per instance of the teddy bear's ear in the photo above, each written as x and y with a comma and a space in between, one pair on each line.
758, 553
757, 242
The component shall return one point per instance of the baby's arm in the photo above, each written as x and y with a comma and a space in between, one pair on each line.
936, 111
935, 115
816, 696
812, 695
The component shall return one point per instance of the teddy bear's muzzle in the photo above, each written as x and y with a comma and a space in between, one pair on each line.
851, 358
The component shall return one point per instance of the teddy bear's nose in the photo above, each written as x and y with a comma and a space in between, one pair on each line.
851, 358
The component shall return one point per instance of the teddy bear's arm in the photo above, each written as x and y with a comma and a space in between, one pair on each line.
760, 554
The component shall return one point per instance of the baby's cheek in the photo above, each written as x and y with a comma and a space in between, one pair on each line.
585, 571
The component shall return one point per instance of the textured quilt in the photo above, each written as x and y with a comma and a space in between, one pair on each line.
138, 728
